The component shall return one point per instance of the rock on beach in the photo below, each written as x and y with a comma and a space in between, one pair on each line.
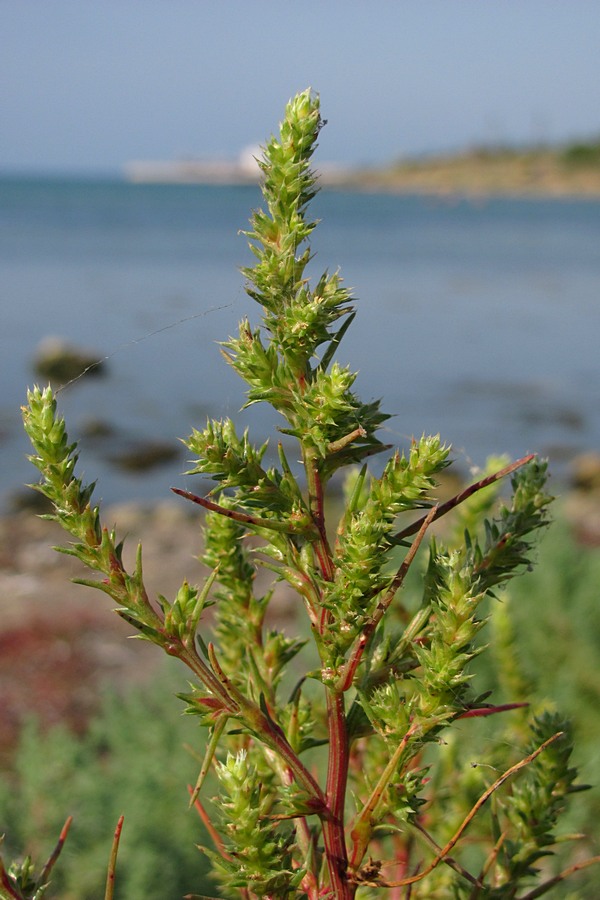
59, 361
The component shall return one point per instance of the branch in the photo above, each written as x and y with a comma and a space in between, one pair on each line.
258, 721
214, 834
469, 818
336, 446
566, 873
208, 757
459, 498
480, 711
242, 517
112, 861
45, 876
487, 866
363, 824
7, 890
452, 863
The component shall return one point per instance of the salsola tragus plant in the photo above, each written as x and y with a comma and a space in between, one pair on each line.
339, 764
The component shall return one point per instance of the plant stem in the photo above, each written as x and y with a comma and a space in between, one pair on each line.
7, 891
243, 518
337, 767
45, 877
337, 778
566, 873
112, 863
317, 509
362, 828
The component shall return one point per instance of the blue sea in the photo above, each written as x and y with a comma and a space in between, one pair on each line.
480, 321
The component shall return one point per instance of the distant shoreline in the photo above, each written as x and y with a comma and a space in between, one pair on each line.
448, 180
537, 173
482, 174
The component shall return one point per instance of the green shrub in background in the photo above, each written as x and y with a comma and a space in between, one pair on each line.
583, 155
358, 779
133, 761
551, 619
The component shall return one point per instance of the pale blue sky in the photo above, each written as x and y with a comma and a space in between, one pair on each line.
90, 85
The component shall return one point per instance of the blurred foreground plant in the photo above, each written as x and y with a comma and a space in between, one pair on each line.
398, 807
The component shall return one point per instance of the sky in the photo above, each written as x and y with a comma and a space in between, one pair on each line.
86, 86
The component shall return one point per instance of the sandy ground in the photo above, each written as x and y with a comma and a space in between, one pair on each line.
60, 641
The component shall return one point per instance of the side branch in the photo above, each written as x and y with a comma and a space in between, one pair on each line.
45, 877
566, 873
237, 516
112, 863
258, 721
459, 498
469, 817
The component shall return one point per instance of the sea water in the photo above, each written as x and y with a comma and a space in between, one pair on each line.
478, 320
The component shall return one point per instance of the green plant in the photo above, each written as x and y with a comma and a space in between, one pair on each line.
388, 683
561, 598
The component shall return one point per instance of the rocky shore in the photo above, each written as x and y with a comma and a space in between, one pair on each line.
60, 642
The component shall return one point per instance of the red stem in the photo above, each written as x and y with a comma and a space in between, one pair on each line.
112, 863
214, 834
237, 515
7, 883
444, 508
479, 711
56, 852
336, 853
337, 779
